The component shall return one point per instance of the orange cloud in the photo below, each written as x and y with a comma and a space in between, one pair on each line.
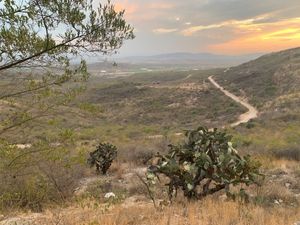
286, 34
164, 30
265, 37
249, 24
137, 11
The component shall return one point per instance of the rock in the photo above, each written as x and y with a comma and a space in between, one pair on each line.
223, 197
23, 146
287, 185
110, 195
276, 202
297, 223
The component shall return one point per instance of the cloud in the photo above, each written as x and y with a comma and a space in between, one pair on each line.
160, 5
271, 36
225, 26
252, 23
164, 30
285, 34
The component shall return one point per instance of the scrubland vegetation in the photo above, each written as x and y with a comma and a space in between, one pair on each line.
64, 180
54, 115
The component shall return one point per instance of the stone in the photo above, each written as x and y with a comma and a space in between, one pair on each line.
276, 202
287, 185
109, 195
223, 197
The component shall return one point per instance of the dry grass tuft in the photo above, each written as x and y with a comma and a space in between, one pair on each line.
207, 212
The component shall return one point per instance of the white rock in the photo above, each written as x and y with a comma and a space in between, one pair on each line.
23, 146
223, 197
109, 195
276, 202
287, 185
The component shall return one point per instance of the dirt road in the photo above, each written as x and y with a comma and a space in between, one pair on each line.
243, 118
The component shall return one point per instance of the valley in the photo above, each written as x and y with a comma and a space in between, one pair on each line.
142, 113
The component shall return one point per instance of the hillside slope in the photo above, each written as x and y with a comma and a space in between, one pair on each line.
270, 79
272, 84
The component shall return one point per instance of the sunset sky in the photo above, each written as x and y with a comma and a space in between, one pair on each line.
217, 26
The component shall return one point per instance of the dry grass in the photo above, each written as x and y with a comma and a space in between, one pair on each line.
270, 162
208, 212
117, 168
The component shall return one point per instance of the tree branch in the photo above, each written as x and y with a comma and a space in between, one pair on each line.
219, 187
10, 65
31, 90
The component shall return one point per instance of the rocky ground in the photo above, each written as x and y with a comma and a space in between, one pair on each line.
122, 189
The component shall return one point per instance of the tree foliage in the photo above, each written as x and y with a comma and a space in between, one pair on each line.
43, 44
40, 41
103, 157
205, 164
47, 32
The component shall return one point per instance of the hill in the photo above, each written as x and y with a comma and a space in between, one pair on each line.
142, 113
186, 59
272, 79
272, 84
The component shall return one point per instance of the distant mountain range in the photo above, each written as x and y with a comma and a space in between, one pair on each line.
202, 60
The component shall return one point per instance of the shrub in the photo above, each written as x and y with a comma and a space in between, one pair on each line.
37, 186
205, 164
102, 157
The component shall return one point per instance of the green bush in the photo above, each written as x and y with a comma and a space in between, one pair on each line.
103, 157
205, 164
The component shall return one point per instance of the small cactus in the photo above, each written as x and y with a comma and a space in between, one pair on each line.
102, 157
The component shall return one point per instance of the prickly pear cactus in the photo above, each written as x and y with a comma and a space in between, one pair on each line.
102, 157
204, 164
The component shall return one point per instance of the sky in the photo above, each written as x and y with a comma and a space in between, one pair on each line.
230, 27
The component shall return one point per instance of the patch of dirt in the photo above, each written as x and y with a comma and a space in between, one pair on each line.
243, 118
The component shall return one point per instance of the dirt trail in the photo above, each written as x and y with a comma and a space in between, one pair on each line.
243, 118
187, 77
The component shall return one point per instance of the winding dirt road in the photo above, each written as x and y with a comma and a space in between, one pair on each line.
243, 118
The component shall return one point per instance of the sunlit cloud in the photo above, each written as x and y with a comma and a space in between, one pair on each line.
248, 23
220, 26
270, 36
125, 5
164, 30
285, 34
